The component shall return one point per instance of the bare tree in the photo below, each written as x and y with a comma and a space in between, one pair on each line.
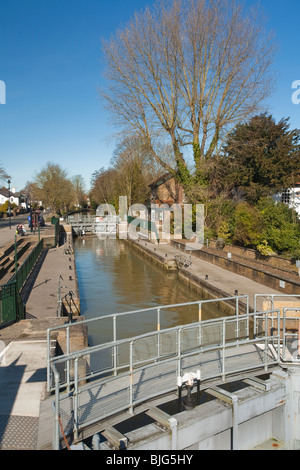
134, 170
3, 174
186, 72
103, 186
78, 190
54, 188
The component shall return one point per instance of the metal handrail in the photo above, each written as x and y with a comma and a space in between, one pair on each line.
114, 316
130, 373
285, 335
272, 297
159, 356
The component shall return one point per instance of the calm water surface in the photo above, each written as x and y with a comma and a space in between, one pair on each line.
115, 278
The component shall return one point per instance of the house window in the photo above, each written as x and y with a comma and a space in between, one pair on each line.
286, 196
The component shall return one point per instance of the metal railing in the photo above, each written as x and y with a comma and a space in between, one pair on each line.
108, 378
290, 327
25, 269
113, 324
272, 298
12, 307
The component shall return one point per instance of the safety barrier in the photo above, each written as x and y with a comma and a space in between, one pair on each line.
142, 321
93, 384
12, 307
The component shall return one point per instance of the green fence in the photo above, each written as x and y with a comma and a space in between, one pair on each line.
25, 269
12, 307
55, 222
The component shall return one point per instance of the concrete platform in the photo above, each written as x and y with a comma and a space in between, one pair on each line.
22, 388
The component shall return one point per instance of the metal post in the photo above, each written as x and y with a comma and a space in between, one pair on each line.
178, 351
200, 311
16, 257
76, 399
48, 360
158, 320
131, 378
223, 350
158, 335
283, 335
199, 320
68, 361
278, 333
115, 347
56, 432
9, 207
266, 341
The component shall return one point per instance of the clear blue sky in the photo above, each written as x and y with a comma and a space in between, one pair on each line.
50, 61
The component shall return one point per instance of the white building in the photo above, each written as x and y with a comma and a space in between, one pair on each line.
15, 197
291, 197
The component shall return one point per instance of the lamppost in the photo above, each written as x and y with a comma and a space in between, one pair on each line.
9, 209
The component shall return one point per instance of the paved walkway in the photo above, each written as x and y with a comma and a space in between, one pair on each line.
219, 278
22, 388
7, 233
54, 268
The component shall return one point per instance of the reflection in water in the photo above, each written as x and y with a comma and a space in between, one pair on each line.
115, 278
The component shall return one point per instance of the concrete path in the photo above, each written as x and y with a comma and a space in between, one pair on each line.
7, 233
225, 281
8, 230
22, 388
54, 268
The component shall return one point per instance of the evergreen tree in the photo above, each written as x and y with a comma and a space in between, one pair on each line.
259, 158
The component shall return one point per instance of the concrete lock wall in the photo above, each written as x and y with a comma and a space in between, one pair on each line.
257, 416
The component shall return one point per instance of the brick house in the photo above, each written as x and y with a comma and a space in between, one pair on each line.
164, 192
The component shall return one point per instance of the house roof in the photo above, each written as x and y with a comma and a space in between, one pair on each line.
4, 192
162, 179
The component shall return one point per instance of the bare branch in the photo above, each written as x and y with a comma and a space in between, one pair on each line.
188, 68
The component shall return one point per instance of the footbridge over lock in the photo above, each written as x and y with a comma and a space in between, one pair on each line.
97, 389
91, 224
